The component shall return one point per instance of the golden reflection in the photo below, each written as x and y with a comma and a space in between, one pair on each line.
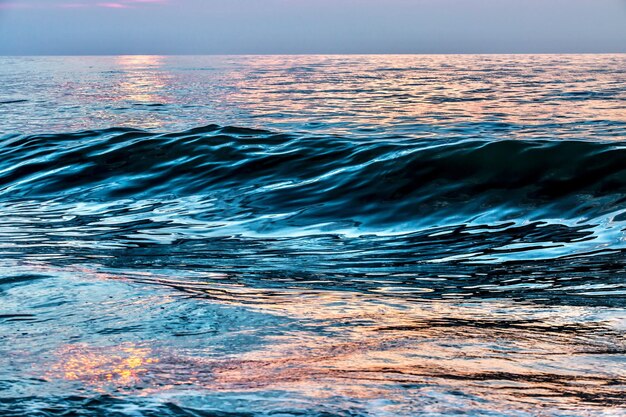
142, 80
368, 347
122, 367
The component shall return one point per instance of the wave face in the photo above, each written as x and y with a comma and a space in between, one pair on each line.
447, 238
474, 201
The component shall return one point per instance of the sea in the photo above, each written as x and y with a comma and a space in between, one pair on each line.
341, 235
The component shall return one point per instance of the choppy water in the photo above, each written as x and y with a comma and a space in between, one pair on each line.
332, 235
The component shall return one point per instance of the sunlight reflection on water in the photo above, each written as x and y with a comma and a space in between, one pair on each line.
420, 95
402, 235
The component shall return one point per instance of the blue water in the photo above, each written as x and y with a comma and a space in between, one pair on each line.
313, 235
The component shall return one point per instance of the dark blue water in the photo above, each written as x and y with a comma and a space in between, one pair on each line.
359, 236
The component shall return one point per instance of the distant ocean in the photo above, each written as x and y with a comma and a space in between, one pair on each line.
313, 235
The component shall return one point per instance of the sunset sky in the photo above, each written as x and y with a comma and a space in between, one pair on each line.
310, 26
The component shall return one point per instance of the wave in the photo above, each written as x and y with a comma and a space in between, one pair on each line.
385, 180
538, 197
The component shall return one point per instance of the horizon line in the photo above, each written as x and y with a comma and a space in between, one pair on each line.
313, 54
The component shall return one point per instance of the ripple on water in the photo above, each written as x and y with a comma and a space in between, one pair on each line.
358, 236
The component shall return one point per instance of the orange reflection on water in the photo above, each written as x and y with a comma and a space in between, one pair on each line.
122, 367
354, 346
527, 90
367, 347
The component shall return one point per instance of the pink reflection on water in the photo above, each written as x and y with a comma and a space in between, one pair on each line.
516, 96
142, 82
364, 347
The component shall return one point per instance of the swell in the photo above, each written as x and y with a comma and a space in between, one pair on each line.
525, 195
351, 176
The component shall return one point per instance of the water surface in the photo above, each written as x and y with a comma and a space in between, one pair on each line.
313, 235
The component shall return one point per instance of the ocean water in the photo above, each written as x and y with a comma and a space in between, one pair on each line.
313, 235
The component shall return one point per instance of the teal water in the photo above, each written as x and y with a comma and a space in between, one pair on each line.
313, 235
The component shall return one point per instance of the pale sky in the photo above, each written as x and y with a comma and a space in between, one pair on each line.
310, 26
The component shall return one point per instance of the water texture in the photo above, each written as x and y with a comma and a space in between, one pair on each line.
313, 235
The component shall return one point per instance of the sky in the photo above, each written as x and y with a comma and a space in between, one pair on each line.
111, 27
